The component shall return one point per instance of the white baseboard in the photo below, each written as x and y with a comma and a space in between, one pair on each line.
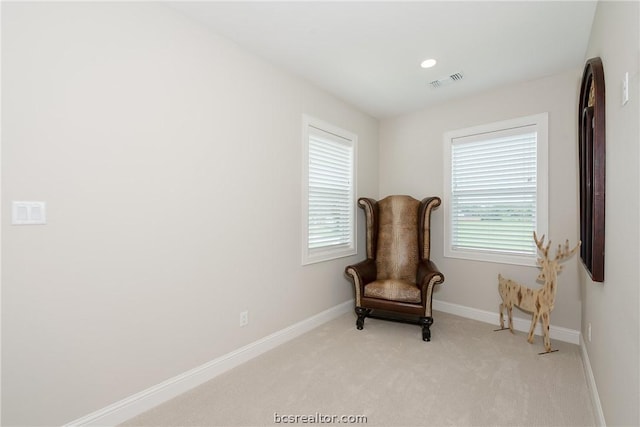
556, 332
591, 382
138, 403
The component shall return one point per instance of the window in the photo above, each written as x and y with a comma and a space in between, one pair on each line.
496, 190
329, 170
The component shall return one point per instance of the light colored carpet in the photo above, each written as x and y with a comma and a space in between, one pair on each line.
467, 375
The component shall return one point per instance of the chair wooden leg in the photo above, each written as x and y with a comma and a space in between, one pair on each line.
362, 313
426, 323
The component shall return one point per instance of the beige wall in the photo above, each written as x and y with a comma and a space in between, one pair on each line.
170, 161
411, 159
612, 307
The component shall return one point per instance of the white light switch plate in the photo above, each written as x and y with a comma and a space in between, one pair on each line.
28, 213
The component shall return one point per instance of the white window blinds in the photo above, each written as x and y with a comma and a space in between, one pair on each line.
493, 192
496, 185
330, 196
330, 193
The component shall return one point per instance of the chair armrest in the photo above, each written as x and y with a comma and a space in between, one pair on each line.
428, 273
428, 276
363, 272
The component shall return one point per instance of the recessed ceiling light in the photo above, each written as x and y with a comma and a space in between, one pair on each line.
428, 63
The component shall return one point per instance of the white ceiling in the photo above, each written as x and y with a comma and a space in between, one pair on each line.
369, 53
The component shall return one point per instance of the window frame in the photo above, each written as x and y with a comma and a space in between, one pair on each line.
350, 139
540, 123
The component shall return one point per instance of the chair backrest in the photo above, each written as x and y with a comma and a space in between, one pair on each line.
397, 252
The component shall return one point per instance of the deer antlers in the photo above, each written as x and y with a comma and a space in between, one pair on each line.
539, 243
561, 253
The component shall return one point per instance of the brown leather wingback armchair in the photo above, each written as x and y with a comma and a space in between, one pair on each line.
397, 277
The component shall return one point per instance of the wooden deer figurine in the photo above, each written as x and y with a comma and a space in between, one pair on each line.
540, 301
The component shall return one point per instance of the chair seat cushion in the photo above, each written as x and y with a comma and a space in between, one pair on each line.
394, 290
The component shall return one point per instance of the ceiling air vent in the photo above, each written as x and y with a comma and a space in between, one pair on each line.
455, 77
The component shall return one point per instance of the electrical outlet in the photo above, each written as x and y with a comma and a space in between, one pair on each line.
244, 318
